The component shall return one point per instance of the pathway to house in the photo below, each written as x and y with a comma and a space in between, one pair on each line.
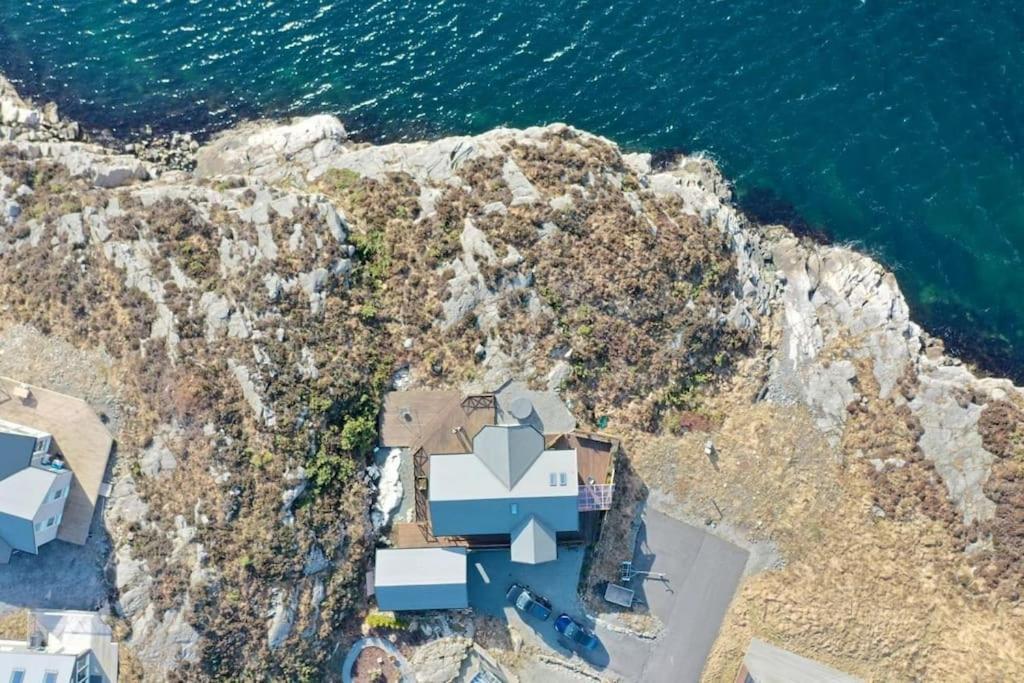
350, 659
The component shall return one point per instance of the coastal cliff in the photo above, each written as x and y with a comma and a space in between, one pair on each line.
258, 305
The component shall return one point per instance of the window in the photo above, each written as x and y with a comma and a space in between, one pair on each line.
515, 508
58, 493
50, 522
18, 676
50, 677
552, 479
563, 479
39, 526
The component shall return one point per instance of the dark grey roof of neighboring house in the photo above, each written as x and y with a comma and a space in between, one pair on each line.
533, 542
15, 452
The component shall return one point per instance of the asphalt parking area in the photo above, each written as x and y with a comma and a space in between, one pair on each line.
491, 572
702, 573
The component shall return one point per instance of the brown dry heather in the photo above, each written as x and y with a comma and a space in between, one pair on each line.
871, 574
603, 280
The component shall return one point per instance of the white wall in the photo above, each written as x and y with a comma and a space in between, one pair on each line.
53, 509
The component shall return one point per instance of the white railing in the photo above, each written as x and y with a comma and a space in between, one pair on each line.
595, 497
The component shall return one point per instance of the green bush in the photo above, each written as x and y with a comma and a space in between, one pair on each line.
385, 620
359, 434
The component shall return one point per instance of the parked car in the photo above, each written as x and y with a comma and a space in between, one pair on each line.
528, 603
574, 631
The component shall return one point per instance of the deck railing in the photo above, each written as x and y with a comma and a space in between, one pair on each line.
595, 497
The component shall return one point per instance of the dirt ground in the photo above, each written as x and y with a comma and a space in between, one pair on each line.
877, 598
375, 666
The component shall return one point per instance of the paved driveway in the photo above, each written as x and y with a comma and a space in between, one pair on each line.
702, 573
61, 576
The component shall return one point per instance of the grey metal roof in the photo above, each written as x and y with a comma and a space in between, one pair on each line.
508, 452
769, 664
419, 567
549, 416
533, 542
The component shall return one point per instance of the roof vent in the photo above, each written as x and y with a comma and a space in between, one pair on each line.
22, 393
405, 414
521, 408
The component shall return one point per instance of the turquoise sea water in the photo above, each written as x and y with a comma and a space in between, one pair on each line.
898, 126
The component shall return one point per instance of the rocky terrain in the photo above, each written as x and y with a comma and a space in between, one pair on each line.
253, 310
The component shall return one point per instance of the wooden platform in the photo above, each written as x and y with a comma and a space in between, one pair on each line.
79, 435
415, 535
406, 414
595, 454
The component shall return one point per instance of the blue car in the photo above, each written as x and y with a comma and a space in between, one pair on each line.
574, 631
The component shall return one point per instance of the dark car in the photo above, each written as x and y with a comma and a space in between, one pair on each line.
528, 603
574, 631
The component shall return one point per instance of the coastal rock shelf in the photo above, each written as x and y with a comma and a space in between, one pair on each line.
294, 270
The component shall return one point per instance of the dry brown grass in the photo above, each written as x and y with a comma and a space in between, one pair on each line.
15, 625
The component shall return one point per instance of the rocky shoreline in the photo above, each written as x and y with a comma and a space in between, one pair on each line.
834, 333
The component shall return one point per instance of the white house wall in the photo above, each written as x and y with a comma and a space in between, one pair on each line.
52, 508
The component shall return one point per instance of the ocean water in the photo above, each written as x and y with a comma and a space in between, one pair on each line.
897, 126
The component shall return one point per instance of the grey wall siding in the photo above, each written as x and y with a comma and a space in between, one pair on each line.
15, 453
440, 596
18, 533
469, 517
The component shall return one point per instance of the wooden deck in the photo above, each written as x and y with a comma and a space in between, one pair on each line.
406, 414
79, 435
595, 455
415, 535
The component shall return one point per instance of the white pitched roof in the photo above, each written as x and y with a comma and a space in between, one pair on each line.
23, 492
35, 664
420, 567
533, 542
464, 476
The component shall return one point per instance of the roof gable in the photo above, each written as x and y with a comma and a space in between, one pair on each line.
533, 542
508, 451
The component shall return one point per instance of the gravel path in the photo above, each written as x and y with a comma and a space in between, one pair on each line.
350, 659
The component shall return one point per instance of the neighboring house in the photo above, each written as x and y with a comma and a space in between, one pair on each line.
34, 487
420, 578
766, 663
509, 487
61, 647
53, 456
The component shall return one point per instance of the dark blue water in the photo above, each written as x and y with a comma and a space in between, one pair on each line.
897, 126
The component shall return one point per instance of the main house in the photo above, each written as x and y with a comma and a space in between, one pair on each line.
502, 470
53, 455
509, 488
